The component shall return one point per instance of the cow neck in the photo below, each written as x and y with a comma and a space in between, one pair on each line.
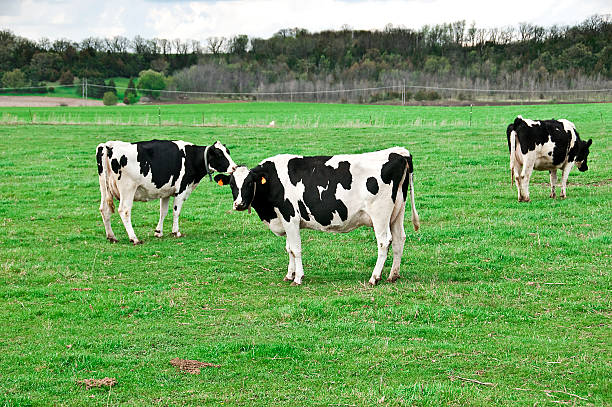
206, 168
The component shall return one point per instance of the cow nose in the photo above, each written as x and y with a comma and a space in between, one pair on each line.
233, 168
239, 206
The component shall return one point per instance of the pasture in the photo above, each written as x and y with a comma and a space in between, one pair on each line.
499, 302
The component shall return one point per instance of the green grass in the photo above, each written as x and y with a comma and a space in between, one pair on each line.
70, 91
516, 295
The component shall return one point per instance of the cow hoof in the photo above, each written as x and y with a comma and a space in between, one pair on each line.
393, 278
553, 196
563, 196
287, 279
294, 283
177, 234
112, 239
158, 233
372, 281
136, 242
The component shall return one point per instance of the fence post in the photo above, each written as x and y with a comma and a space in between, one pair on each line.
471, 115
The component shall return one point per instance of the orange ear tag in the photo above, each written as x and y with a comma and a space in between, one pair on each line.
263, 180
220, 182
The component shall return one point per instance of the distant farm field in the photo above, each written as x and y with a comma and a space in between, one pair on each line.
500, 302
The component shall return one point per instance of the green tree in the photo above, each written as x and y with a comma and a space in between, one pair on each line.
151, 83
109, 99
111, 87
67, 78
14, 79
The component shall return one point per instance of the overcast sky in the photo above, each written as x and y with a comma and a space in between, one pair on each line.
198, 20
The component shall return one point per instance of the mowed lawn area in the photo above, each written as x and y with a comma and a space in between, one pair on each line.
500, 302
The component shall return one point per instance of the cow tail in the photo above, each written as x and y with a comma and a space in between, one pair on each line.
512, 155
104, 172
415, 216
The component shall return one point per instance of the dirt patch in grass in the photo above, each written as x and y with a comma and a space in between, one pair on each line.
599, 183
45, 101
190, 366
106, 382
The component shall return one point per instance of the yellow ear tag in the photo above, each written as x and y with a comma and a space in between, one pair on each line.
220, 182
263, 180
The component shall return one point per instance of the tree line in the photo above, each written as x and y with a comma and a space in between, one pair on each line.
526, 56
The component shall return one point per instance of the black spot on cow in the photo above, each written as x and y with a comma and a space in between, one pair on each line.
217, 159
270, 194
99, 159
303, 210
163, 159
194, 166
393, 171
116, 165
320, 185
372, 185
550, 153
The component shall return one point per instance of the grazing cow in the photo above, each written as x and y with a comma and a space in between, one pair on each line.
332, 194
544, 145
155, 169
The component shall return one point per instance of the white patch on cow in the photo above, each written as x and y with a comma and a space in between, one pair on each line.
531, 123
239, 174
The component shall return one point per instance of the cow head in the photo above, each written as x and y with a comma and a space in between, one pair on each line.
583, 153
218, 158
243, 183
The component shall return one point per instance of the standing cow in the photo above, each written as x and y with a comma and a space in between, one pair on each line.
332, 194
154, 169
544, 145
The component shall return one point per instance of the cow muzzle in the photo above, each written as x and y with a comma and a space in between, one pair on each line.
241, 206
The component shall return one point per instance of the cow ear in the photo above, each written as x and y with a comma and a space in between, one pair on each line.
589, 142
263, 180
222, 179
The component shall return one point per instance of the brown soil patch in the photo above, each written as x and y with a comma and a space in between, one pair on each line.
45, 101
190, 366
600, 183
106, 382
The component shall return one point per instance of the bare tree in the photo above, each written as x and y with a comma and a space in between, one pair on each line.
215, 45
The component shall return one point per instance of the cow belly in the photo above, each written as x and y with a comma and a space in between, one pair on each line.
544, 164
144, 194
337, 225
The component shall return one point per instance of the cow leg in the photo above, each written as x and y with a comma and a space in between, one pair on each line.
553, 183
564, 177
125, 211
163, 211
106, 211
528, 164
179, 200
398, 238
291, 267
383, 239
294, 248
517, 181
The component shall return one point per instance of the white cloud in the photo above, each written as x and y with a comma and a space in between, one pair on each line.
75, 19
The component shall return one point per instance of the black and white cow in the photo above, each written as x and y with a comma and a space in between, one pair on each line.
544, 145
156, 169
332, 194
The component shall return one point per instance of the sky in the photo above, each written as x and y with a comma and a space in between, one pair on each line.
199, 20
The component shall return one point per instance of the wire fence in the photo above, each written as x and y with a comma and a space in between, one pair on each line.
396, 93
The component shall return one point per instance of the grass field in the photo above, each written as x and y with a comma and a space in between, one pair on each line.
499, 302
71, 91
